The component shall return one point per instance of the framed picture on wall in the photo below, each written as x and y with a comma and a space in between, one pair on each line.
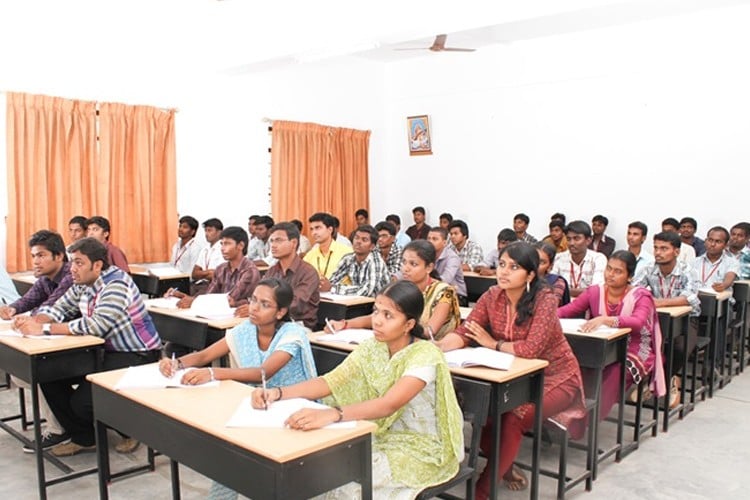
418, 128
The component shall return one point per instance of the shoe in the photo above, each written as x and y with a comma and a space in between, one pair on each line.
48, 441
69, 449
127, 445
674, 393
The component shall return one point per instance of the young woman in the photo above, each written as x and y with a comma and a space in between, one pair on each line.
441, 313
559, 285
403, 385
618, 304
519, 316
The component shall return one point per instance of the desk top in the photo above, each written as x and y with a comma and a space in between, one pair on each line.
472, 274
675, 311
348, 300
33, 346
24, 276
220, 324
605, 335
208, 409
742, 282
519, 368
720, 296
143, 269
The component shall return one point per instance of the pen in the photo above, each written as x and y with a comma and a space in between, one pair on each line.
330, 326
429, 331
4, 302
170, 292
263, 383
175, 364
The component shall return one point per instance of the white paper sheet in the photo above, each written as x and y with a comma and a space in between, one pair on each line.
163, 302
575, 324
149, 377
212, 306
349, 336
276, 414
479, 356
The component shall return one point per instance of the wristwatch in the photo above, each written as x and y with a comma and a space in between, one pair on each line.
46, 328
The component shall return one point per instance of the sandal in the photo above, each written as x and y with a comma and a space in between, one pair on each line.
515, 479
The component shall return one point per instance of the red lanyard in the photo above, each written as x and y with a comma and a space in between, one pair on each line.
705, 278
668, 293
184, 249
575, 281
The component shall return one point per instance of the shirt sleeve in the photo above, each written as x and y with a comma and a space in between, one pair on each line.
341, 271
578, 306
111, 306
65, 308
34, 297
480, 314
543, 323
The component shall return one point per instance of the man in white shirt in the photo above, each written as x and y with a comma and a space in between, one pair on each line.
402, 239
186, 249
687, 252
259, 250
580, 266
209, 258
637, 232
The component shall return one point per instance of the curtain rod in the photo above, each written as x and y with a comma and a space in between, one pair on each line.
176, 110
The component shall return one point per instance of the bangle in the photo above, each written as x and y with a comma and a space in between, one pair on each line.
280, 393
499, 343
341, 414
211, 372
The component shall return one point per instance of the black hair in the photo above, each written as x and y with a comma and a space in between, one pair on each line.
409, 300
395, 219
671, 221
550, 250
441, 230
558, 216
366, 228
628, 258
523, 217
386, 226
446, 216
264, 220
742, 226
214, 223
600, 218
689, 220
557, 223
49, 240
526, 256
418, 209
100, 221
639, 225
253, 218
289, 228
507, 235
78, 219
426, 252
669, 237
461, 225
237, 234
93, 249
579, 227
336, 222
325, 218
720, 229
282, 294
362, 212
297, 223
192, 222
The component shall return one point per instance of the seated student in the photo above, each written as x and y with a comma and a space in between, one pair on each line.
8, 292
580, 266
304, 242
673, 283
251, 226
687, 252
520, 225
268, 341
637, 232
739, 237
441, 313
187, 249
557, 236
445, 220
362, 272
116, 313
389, 250
98, 227
340, 238
557, 282
504, 238
618, 304
403, 385
419, 230
209, 259
601, 242
401, 237
448, 263
688, 226
76, 228
519, 316
237, 276
714, 268
327, 252
468, 251
259, 250
361, 217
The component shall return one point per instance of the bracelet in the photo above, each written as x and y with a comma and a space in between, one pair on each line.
180, 364
499, 343
211, 372
280, 393
341, 414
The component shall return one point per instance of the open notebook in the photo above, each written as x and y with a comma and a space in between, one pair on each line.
276, 414
574, 325
149, 377
348, 336
479, 356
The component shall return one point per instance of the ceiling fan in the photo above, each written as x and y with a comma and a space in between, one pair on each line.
439, 46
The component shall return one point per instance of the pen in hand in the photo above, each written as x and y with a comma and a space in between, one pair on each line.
263, 384
171, 291
175, 365
432, 336
330, 326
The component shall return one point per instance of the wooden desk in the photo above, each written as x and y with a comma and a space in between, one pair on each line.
188, 425
36, 361
714, 308
523, 383
596, 351
477, 284
176, 325
156, 286
343, 308
23, 281
674, 322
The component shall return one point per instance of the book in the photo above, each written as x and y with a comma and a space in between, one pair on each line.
165, 272
573, 325
276, 414
349, 336
149, 377
479, 356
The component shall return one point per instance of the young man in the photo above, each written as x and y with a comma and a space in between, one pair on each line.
556, 236
715, 269
186, 249
739, 237
361, 217
389, 250
419, 230
115, 312
77, 228
580, 266
468, 251
362, 272
259, 250
688, 226
98, 227
251, 226
448, 263
402, 239
601, 242
489, 264
327, 253
520, 225
445, 220
687, 252
210, 257
673, 283
637, 232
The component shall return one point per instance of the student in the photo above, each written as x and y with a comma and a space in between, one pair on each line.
259, 250
557, 236
580, 266
304, 242
715, 269
327, 253
557, 282
558, 216
468, 251
687, 252
362, 272
504, 238
251, 221
361, 217
448, 263
209, 259
673, 282
389, 250
445, 220
98, 227
519, 316
340, 238
113, 310
419, 230
618, 304
268, 341
402, 384
8, 292
601, 242
77, 228
186, 250
739, 237
688, 226
441, 313
401, 237
520, 225
637, 232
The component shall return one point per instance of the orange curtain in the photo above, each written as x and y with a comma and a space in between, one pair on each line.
316, 168
51, 155
136, 186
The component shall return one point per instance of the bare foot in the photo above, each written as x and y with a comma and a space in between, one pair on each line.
515, 479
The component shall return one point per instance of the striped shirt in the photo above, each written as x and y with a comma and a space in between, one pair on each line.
470, 254
393, 260
681, 282
111, 308
364, 278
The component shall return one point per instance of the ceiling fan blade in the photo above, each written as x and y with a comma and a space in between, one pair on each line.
456, 49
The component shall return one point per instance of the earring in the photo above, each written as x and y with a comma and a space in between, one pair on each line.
528, 286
